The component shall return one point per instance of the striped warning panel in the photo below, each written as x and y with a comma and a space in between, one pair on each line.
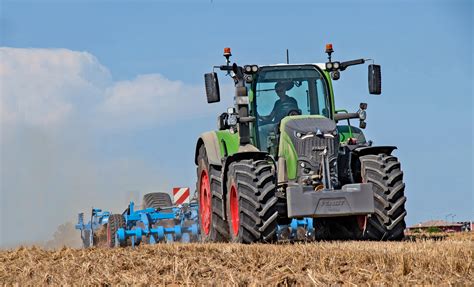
181, 195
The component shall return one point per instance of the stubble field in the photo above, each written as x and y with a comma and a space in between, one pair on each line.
448, 261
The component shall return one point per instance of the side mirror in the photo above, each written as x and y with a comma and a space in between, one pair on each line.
212, 87
375, 80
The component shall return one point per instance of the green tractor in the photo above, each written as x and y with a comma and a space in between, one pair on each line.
284, 152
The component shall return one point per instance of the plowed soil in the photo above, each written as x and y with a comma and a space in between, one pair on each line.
316, 263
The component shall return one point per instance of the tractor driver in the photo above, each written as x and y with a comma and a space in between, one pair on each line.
283, 106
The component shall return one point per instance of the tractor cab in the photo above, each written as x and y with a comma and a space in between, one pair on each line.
286, 90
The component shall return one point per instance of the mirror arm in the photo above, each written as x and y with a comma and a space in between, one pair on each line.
346, 116
224, 68
346, 64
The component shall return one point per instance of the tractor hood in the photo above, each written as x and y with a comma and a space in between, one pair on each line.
303, 138
317, 125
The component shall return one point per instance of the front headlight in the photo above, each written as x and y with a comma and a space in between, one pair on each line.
303, 136
232, 120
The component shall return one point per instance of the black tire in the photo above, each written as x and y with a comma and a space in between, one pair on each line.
388, 222
116, 221
156, 200
216, 229
251, 201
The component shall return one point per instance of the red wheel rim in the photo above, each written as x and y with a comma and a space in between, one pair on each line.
234, 210
205, 202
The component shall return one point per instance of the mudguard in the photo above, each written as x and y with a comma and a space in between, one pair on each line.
211, 144
361, 151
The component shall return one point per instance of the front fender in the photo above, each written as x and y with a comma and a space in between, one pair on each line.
361, 151
211, 144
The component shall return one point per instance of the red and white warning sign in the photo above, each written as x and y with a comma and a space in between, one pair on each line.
181, 195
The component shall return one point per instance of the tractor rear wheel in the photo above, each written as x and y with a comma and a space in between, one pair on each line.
388, 222
115, 222
210, 199
251, 201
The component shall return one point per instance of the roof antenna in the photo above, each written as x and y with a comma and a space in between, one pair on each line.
287, 57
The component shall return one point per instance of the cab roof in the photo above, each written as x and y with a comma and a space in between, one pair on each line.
322, 66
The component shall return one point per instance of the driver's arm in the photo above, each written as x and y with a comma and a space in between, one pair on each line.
296, 102
271, 116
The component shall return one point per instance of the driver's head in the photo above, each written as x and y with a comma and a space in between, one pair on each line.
280, 89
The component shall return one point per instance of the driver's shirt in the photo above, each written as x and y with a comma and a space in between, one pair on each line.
280, 113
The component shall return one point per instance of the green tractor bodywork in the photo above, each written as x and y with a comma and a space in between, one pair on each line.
319, 165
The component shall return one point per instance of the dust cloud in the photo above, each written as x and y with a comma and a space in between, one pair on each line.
47, 177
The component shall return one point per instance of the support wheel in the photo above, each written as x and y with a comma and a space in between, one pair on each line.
210, 199
251, 202
156, 200
115, 222
388, 222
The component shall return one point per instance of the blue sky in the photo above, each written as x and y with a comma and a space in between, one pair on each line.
105, 99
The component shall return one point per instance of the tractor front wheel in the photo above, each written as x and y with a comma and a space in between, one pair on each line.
251, 202
388, 222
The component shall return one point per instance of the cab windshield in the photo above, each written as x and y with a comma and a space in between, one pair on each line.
283, 91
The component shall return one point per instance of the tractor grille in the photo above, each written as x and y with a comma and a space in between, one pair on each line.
316, 134
311, 148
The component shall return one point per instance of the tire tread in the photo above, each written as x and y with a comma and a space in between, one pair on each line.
384, 172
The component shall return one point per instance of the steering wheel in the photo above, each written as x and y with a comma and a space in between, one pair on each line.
261, 121
296, 112
285, 109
